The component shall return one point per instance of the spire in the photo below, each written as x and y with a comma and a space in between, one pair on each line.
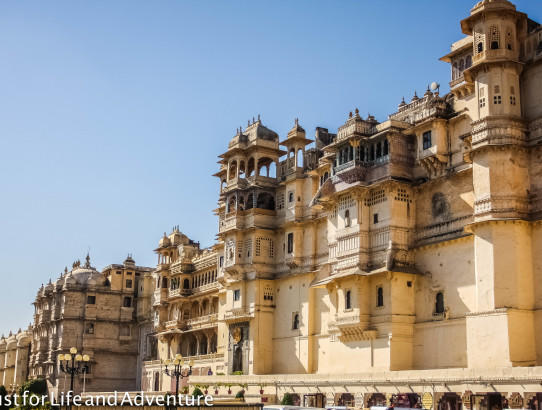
87, 263
357, 113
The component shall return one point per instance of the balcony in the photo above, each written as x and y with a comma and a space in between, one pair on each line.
160, 296
198, 359
173, 293
205, 288
493, 55
175, 323
352, 327
238, 315
259, 217
203, 321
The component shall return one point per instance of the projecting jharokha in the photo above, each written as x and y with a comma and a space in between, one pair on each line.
400, 256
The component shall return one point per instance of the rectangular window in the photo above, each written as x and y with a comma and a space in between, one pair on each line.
129, 273
290, 242
91, 300
119, 272
221, 261
426, 139
512, 100
496, 99
128, 283
482, 102
295, 320
236, 295
375, 218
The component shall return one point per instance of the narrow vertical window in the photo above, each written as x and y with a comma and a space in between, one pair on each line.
426, 139
348, 300
439, 303
290, 242
380, 297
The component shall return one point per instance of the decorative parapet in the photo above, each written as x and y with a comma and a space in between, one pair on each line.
442, 231
509, 206
352, 328
238, 315
498, 131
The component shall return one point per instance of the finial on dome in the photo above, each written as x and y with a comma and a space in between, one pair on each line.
20, 330
253, 120
248, 122
258, 117
87, 263
65, 270
10, 333
350, 114
357, 113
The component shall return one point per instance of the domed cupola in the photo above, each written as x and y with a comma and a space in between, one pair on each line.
164, 242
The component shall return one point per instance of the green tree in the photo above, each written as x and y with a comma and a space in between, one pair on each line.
37, 387
3, 394
287, 400
197, 392
240, 395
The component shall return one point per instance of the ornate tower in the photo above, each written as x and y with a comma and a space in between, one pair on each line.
500, 157
247, 223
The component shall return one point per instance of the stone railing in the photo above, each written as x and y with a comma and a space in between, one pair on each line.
206, 287
436, 231
501, 53
195, 358
355, 125
237, 314
178, 292
202, 320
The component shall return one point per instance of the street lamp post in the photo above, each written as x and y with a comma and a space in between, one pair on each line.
71, 364
177, 371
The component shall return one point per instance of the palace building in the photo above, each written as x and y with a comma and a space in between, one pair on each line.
395, 261
391, 257
97, 313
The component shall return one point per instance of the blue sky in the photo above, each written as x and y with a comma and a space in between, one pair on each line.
113, 112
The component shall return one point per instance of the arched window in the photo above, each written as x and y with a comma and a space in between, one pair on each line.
233, 170
89, 328
295, 322
290, 197
508, 38
380, 297
127, 302
347, 217
250, 167
461, 66
348, 300
439, 303
455, 71
164, 283
479, 41
300, 158
468, 61
494, 38
186, 284
273, 170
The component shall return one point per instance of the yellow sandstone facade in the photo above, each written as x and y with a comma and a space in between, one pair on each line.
388, 248
396, 260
